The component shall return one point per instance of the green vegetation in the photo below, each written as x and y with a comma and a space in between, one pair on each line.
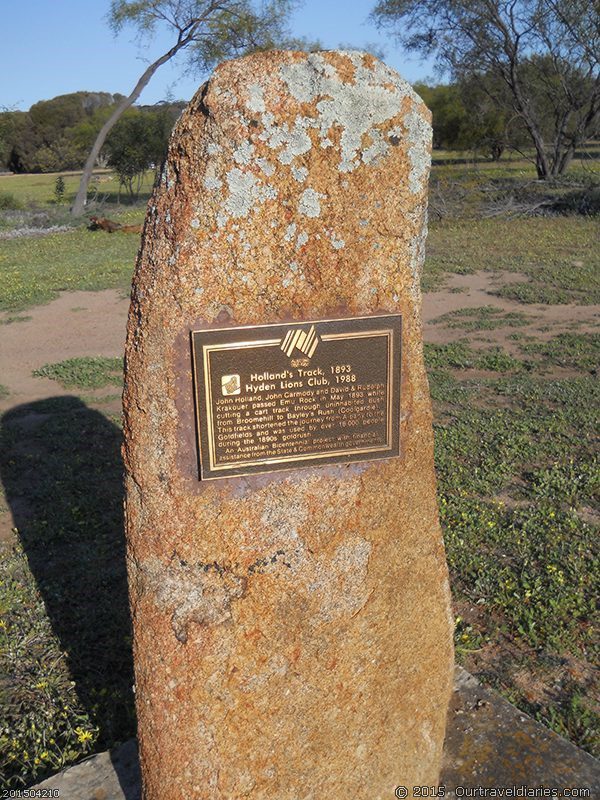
538, 80
37, 192
33, 270
460, 355
519, 486
576, 350
482, 318
3, 391
57, 134
8, 202
84, 373
44, 726
14, 318
559, 255
65, 638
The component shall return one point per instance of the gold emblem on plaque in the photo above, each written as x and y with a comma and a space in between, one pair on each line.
230, 384
300, 340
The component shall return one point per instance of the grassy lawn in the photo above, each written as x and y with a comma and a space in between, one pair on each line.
516, 454
39, 189
519, 489
34, 270
559, 256
65, 255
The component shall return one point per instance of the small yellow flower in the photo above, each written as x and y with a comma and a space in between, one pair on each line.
83, 736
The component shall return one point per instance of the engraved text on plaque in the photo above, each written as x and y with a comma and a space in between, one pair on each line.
272, 397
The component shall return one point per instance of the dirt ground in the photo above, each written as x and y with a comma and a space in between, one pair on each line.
93, 324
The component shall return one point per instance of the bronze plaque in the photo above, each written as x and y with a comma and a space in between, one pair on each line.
272, 397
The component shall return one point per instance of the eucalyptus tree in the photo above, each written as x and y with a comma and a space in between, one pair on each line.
206, 31
543, 56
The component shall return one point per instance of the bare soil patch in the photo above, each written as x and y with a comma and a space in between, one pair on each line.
75, 324
475, 291
82, 323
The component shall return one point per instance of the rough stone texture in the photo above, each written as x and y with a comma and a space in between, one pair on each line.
489, 743
292, 631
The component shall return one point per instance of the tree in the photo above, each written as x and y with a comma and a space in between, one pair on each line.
207, 30
543, 54
50, 136
138, 141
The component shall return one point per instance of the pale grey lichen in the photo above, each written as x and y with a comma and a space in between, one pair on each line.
299, 174
379, 147
200, 594
213, 148
245, 192
242, 192
266, 167
243, 153
212, 183
195, 223
290, 232
256, 101
268, 192
295, 142
309, 203
419, 139
337, 243
375, 97
301, 240
340, 581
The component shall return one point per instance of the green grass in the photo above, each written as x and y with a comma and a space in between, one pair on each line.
3, 391
559, 255
519, 482
34, 270
14, 318
65, 637
88, 372
579, 351
39, 189
460, 355
482, 318
44, 727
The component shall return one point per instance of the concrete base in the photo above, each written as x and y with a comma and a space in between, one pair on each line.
489, 743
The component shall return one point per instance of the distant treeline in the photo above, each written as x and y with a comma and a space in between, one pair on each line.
57, 135
474, 114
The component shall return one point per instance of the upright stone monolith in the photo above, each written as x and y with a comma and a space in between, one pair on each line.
291, 611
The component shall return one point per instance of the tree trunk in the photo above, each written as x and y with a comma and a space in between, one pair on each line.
81, 198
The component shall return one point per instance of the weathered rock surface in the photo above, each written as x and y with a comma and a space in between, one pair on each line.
489, 743
292, 631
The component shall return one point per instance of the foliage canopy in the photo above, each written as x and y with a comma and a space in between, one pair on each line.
538, 59
206, 30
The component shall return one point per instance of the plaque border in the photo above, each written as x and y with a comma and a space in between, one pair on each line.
281, 463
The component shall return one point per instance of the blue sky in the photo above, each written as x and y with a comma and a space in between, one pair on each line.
51, 47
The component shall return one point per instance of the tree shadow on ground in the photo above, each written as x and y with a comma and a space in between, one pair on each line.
60, 464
